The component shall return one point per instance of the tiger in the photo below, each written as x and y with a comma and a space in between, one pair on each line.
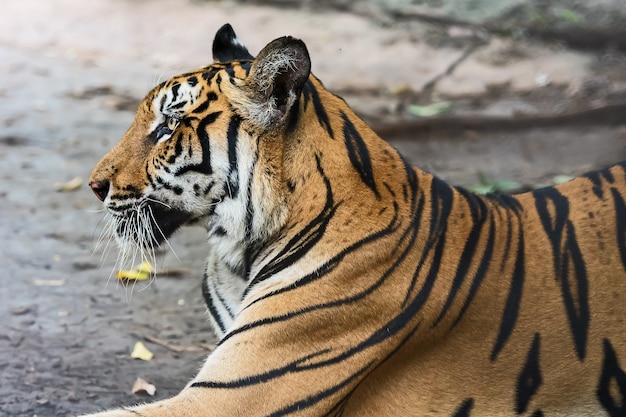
342, 281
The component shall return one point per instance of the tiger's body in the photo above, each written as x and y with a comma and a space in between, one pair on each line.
342, 281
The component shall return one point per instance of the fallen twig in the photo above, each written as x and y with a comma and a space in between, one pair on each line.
607, 114
176, 348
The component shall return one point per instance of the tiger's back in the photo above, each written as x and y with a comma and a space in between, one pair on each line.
543, 334
343, 281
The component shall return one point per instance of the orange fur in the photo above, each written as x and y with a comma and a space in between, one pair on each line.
376, 289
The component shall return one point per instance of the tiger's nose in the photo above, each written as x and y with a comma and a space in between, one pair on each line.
100, 189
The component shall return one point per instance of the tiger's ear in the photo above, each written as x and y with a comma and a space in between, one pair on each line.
275, 81
227, 48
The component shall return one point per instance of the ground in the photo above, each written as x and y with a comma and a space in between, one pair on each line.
73, 73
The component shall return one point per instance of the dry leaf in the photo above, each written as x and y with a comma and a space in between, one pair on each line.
141, 386
140, 351
71, 185
139, 273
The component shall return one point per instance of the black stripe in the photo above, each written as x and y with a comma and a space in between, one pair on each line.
209, 73
246, 66
511, 308
232, 135
304, 240
389, 355
297, 365
479, 215
224, 303
178, 105
612, 381
250, 211
530, 378
481, 272
174, 90
208, 299
211, 96
178, 190
506, 201
575, 291
149, 176
441, 196
620, 224
411, 178
340, 407
509, 239
597, 177
411, 233
124, 197
319, 273
386, 331
178, 149
424, 292
188, 146
569, 265
359, 154
162, 103
310, 93
465, 408
203, 167
314, 399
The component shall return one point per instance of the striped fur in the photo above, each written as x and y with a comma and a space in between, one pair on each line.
344, 282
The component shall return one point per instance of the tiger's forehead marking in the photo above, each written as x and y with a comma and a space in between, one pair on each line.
186, 89
185, 92
239, 70
176, 96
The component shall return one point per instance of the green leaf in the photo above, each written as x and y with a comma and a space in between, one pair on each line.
431, 109
482, 188
506, 185
568, 15
560, 179
501, 185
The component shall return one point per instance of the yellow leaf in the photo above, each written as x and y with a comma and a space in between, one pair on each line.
139, 273
140, 351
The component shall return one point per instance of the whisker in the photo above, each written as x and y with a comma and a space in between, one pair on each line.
148, 253
107, 234
158, 202
136, 235
93, 210
165, 239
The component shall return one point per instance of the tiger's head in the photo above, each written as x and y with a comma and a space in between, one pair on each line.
205, 146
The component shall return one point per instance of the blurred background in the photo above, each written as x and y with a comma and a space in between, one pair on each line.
494, 95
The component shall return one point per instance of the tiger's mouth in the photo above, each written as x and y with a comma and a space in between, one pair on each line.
149, 224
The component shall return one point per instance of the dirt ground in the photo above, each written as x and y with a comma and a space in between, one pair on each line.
72, 74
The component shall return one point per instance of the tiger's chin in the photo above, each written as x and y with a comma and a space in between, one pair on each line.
145, 228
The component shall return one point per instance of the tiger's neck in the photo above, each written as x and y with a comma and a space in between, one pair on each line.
361, 220
360, 217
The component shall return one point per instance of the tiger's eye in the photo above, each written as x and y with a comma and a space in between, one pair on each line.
172, 123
